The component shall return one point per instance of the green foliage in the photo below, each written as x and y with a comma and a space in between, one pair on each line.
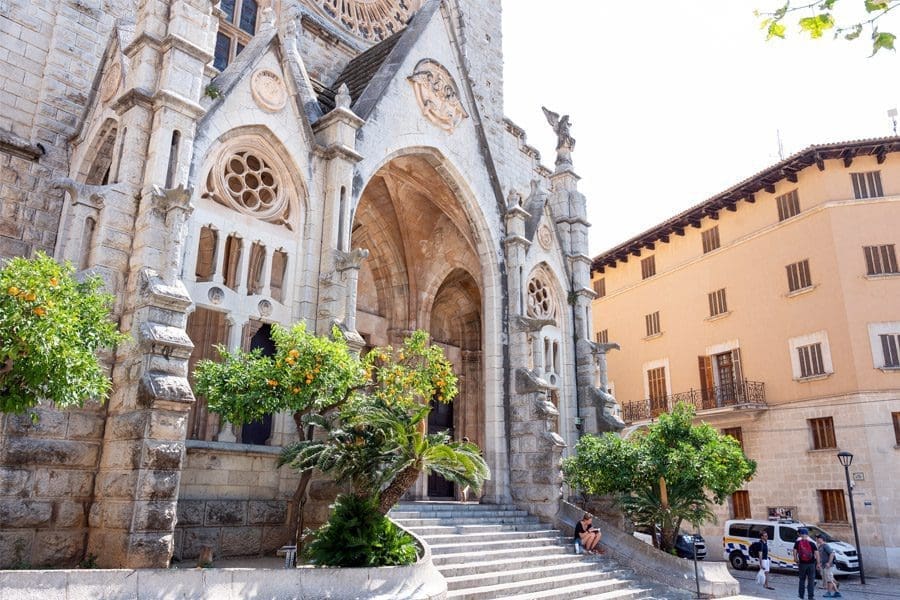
373, 416
307, 374
412, 374
90, 562
379, 442
698, 466
357, 535
51, 327
818, 17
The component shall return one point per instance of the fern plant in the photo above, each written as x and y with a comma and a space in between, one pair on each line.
357, 535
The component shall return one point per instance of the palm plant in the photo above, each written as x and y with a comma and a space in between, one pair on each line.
649, 507
381, 447
410, 450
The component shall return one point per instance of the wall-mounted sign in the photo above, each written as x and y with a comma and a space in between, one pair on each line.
859, 476
782, 512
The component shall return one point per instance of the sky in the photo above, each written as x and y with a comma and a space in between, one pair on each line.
672, 102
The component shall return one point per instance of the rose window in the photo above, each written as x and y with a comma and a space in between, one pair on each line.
540, 300
249, 183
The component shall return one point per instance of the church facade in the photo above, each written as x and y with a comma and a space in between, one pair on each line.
229, 166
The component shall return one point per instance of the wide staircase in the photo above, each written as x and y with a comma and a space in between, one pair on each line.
497, 551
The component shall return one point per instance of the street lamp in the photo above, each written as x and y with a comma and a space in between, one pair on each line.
846, 459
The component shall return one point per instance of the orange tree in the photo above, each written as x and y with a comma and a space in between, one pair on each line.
307, 375
673, 471
374, 415
51, 327
380, 443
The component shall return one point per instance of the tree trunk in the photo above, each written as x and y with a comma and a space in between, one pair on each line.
299, 498
402, 482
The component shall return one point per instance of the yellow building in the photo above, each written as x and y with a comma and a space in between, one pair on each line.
774, 307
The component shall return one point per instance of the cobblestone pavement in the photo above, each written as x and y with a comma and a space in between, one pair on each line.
785, 584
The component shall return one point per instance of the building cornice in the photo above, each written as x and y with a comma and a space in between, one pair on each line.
746, 191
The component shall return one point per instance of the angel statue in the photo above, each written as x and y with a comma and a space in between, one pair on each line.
565, 143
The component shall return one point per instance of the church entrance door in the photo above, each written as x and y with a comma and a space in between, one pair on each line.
440, 419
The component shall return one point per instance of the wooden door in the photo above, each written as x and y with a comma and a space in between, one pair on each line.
725, 371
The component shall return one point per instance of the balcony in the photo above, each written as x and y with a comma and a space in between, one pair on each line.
746, 394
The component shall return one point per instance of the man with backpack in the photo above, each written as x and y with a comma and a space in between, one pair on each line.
806, 554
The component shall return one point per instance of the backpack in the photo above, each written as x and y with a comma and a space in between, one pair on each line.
755, 547
805, 551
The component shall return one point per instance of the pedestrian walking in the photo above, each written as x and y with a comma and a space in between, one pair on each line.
760, 551
826, 567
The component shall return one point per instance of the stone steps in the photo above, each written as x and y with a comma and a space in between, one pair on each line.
499, 552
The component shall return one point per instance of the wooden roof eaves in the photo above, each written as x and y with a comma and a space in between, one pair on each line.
746, 189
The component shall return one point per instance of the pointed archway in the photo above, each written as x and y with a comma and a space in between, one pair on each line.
424, 272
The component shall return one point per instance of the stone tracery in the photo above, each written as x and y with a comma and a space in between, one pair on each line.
371, 20
540, 303
247, 179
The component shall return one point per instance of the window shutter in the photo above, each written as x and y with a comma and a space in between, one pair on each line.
706, 381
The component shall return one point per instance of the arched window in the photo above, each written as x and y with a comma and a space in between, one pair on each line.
541, 303
236, 26
206, 254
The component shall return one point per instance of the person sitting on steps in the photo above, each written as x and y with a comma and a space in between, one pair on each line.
588, 534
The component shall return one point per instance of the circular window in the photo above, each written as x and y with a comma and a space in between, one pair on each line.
540, 301
247, 180
251, 182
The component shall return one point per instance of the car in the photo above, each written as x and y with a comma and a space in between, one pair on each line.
684, 543
740, 533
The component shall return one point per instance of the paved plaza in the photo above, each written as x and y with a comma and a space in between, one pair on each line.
785, 584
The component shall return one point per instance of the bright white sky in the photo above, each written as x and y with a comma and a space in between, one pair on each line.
672, 102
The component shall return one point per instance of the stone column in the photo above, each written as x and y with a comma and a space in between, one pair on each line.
348, 265
132, 519
569, 207
133, 516
336, 135
535, 448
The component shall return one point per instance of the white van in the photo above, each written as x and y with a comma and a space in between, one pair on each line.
740, 533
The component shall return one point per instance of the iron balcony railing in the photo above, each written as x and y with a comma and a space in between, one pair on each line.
744, 393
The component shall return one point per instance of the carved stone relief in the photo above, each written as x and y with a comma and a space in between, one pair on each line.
268, 90
545, 237
437, 95
216, 295
109, 85
371, 20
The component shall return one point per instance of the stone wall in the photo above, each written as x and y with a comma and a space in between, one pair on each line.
49, 52
46, 485
234, 499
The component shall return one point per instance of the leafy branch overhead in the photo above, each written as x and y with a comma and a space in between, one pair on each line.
818, 18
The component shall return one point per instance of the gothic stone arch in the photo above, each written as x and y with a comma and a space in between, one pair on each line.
433, 266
